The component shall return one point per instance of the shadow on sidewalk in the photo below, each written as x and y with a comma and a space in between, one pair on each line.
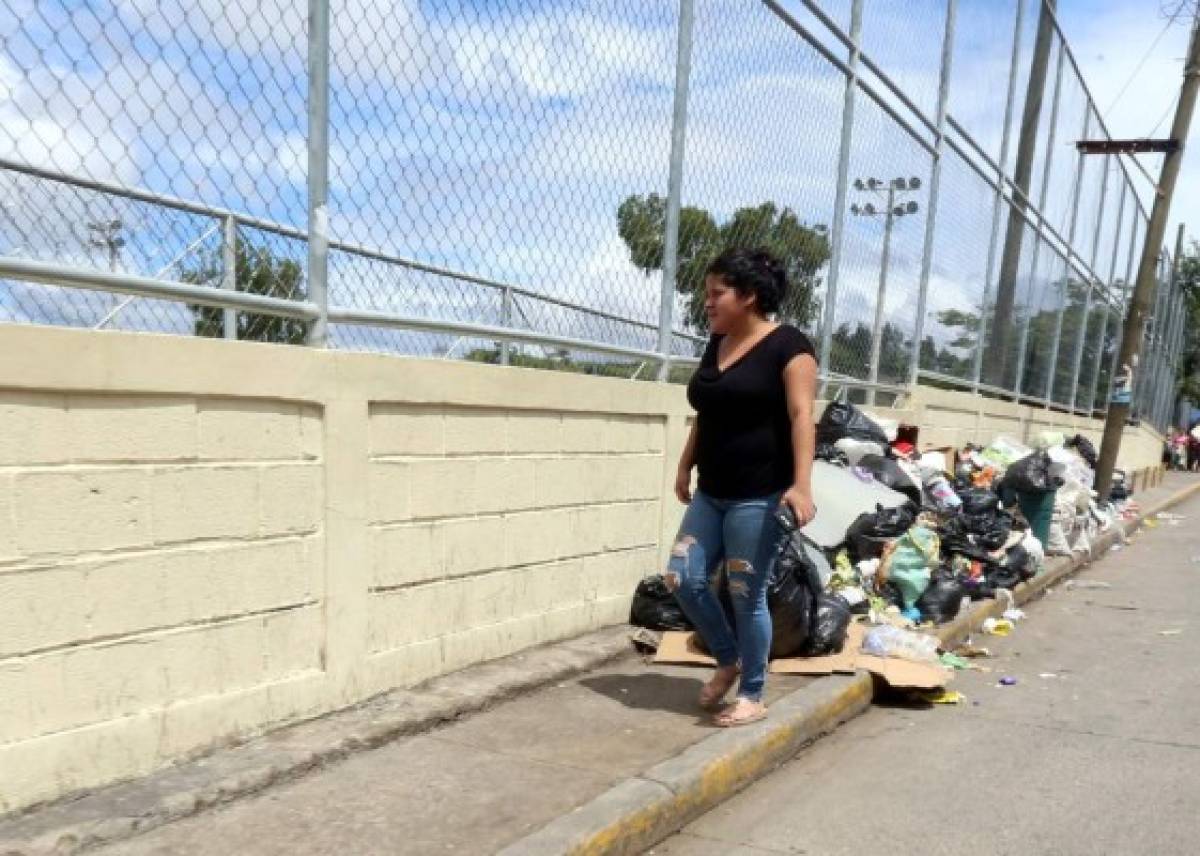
649, 692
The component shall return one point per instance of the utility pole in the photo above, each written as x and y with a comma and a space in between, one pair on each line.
892, 210
1131, 337
1010, 258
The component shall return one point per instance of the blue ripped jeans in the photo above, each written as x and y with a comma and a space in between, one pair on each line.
742, 536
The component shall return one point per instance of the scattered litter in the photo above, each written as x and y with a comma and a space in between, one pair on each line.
1014, 614
944, 696
1088, 584
997, 627
1007, 681
1117, 548
1047, 675
954, 661
972, 651
1174, 632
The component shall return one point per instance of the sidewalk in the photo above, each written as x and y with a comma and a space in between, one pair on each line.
625, 741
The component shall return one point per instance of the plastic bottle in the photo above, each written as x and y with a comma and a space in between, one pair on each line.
888, 641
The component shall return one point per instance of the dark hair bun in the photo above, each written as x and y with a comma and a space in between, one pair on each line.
753, 271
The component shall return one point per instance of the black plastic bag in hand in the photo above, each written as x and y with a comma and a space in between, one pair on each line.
830, 625
791, 602
841, 420
871, 532
655, 608
943, 599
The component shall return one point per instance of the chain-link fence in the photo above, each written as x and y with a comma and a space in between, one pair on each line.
523, 182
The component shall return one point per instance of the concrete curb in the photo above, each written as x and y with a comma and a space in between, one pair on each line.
124, 810
641, 811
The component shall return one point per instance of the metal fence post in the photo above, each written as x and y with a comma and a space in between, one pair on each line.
683, 73
318, 169
1081, 339
935, 181
836, 236
506, 307
1112, 269
998, 203
229, 272
1074, 221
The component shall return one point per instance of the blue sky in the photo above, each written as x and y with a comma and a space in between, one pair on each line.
498, 137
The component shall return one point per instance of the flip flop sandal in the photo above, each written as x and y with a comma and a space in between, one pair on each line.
710, 699
726, 720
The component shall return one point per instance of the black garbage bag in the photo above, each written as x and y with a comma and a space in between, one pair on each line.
831, 454
829, 628
943, 599
1084, 447
791, 597
1018, 559
1002, 576
888, 472
655, 608
989, 531
979, 500
791, 602
1031, 474
842, 420
871, 532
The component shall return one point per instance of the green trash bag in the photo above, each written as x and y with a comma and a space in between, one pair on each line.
910, 564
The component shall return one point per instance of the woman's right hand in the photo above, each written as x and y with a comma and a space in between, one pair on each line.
683, 485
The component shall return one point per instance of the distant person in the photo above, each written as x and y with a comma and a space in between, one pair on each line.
752, 444
1193, 451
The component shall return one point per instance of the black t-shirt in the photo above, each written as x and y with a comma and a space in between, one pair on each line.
744, 433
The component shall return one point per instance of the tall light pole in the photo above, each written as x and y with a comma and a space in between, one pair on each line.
106, 235
893, 208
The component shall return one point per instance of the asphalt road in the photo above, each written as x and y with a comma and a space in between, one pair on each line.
1094, 750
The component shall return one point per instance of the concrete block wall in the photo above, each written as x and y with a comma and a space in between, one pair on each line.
200, 540
529, 524
954, 419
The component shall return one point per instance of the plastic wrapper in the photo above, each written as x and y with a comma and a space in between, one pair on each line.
655, 608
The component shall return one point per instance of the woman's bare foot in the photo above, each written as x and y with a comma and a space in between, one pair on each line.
741, 712
714, 691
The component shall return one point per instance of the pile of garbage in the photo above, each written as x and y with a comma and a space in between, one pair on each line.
904, 538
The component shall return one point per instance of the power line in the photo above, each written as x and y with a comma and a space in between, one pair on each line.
1141, 63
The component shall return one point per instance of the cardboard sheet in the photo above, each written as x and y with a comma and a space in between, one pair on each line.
680, 649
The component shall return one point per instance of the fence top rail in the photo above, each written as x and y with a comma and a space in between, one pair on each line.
283, 230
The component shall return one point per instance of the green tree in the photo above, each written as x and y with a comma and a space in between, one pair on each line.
803, 248
257, 271
1188, 375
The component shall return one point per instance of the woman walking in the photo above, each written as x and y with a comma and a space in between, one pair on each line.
752, 445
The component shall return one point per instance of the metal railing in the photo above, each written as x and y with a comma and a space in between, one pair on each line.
558, 178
